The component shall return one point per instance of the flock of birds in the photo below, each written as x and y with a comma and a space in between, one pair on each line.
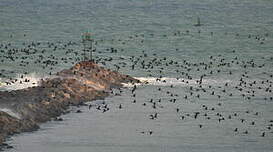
246, 91
245, 81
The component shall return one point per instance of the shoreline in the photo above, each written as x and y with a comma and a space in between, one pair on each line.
85, 81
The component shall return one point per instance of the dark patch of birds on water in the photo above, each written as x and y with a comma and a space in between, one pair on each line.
245, 89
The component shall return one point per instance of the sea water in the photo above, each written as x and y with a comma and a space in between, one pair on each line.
149, 29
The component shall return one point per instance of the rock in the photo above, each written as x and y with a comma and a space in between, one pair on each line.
83, 82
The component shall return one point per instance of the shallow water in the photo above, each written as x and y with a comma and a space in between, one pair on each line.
230, 29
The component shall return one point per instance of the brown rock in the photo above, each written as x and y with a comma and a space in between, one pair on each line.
83, 82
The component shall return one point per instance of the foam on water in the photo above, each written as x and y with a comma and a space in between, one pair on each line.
166, 81
10, 112
1, 83
32, 78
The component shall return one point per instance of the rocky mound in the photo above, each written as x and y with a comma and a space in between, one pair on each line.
31, 106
